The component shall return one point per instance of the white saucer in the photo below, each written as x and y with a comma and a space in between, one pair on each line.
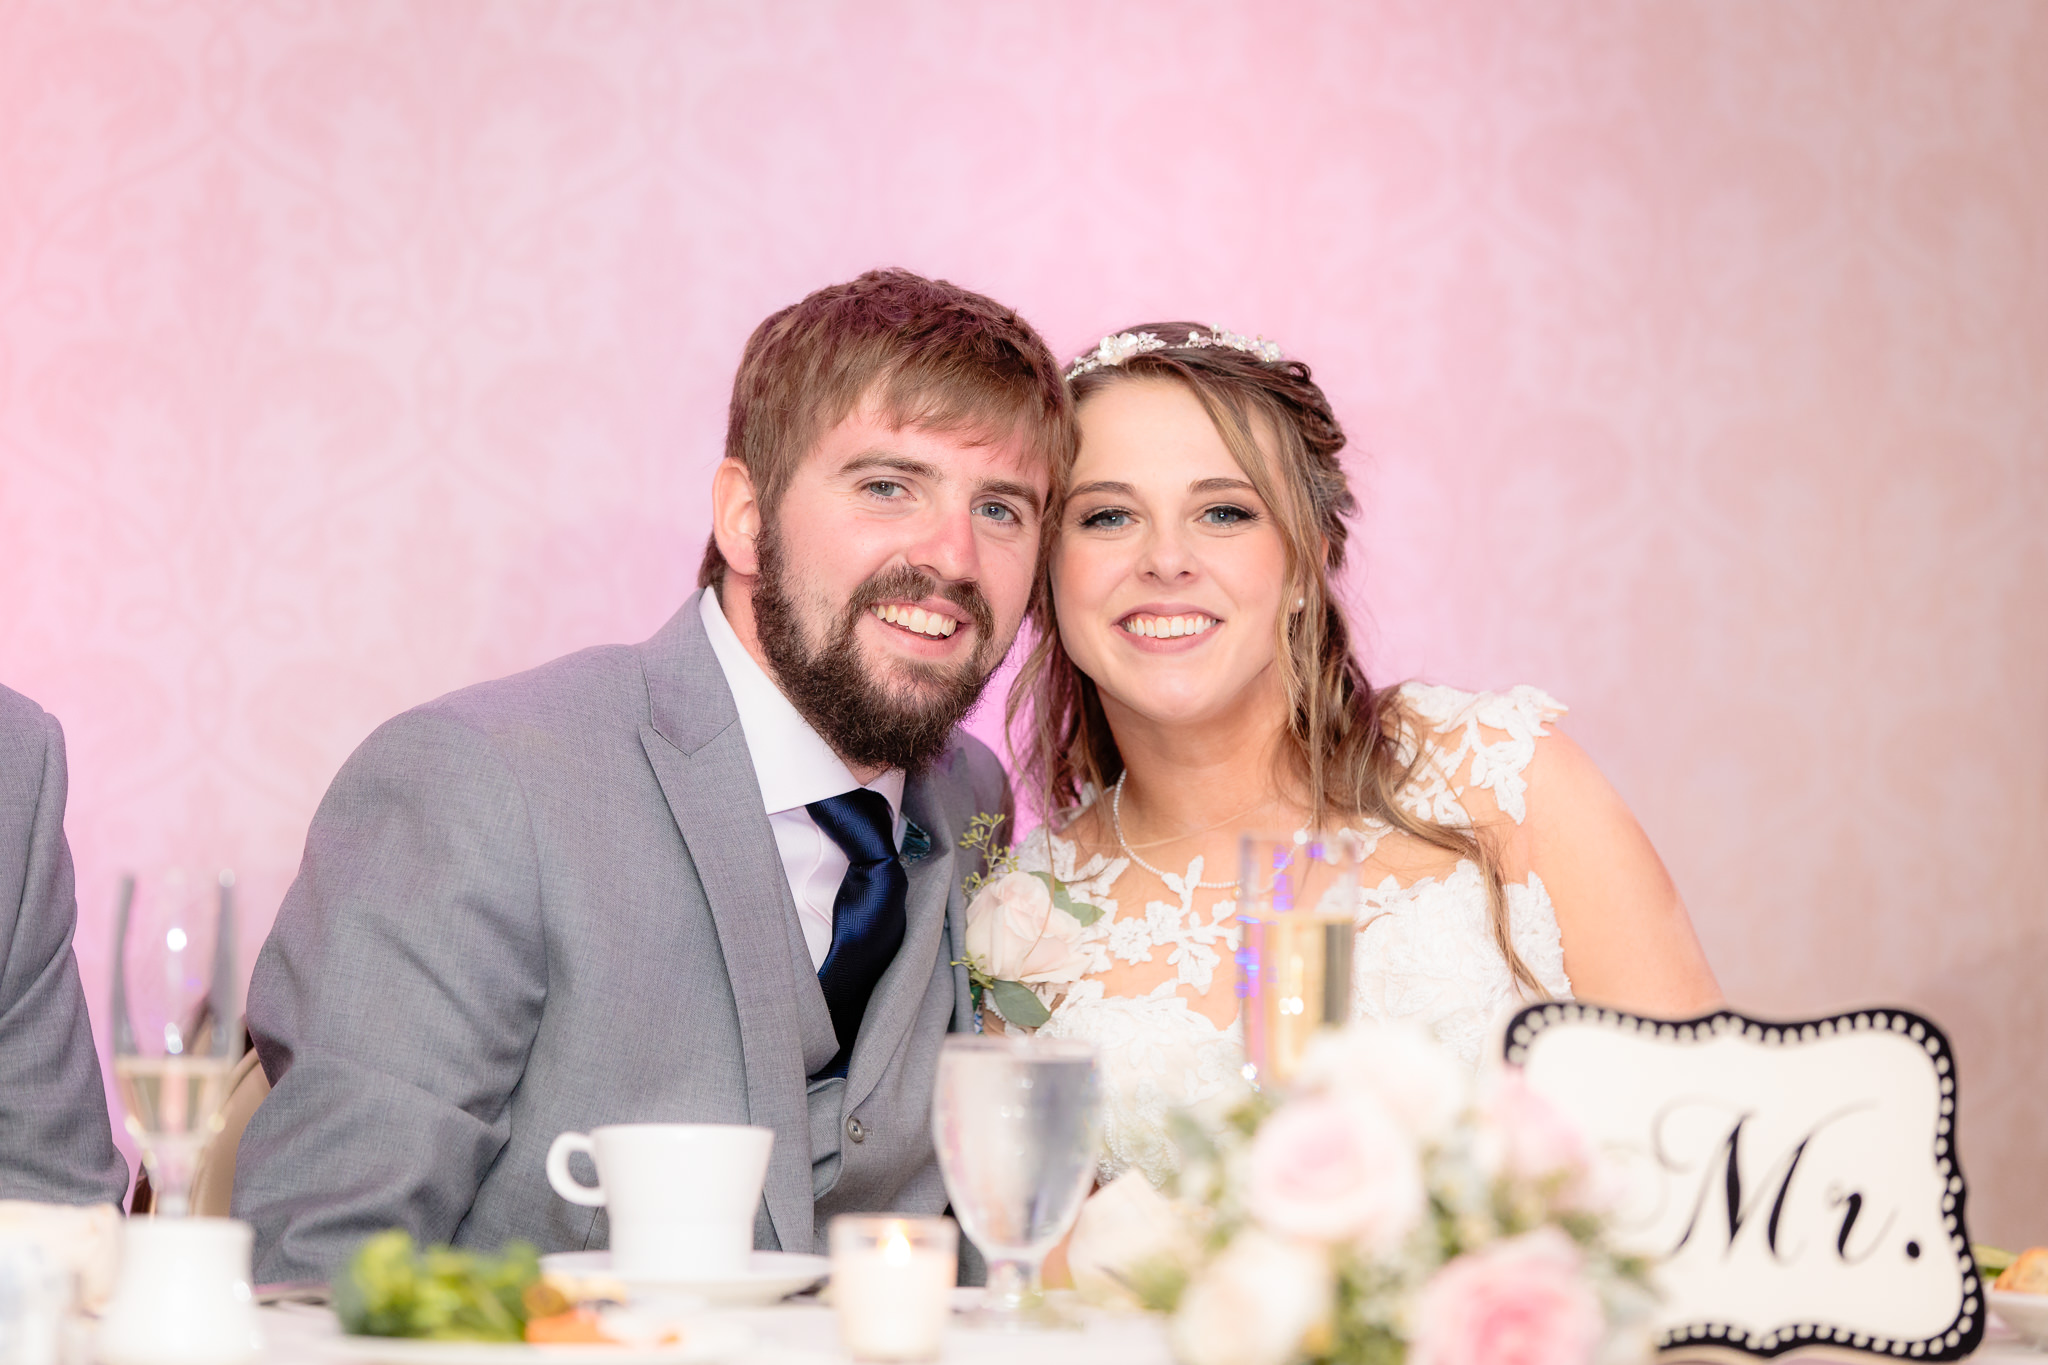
769, 1276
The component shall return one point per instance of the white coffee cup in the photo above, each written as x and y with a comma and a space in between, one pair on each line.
680, 1196
183, 1296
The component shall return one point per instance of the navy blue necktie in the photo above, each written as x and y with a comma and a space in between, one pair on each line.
867, 914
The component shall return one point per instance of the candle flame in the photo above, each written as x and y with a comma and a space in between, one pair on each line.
896, 1250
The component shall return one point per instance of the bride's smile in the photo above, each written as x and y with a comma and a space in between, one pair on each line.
1169, 571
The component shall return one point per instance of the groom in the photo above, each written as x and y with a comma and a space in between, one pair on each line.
714, 877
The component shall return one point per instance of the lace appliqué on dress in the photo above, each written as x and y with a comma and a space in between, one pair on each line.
1425, 951
1521, 713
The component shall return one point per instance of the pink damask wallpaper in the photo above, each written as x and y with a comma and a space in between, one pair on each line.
1695, 357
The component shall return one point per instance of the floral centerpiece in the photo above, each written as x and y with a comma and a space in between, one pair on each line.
1389, 1208
1023, 932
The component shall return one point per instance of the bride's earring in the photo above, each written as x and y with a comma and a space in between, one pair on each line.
1300, 602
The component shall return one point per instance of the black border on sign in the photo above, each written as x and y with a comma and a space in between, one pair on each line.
1961, 1336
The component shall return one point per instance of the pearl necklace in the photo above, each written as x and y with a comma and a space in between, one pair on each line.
1116, 823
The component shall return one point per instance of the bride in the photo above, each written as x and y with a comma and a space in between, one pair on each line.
1193, 678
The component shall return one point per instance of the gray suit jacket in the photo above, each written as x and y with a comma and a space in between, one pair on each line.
552, 902
55, 1142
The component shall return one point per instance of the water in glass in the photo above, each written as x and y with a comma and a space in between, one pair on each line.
1018, 1124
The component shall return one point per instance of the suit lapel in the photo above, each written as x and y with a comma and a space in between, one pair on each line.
699, 755
901, 992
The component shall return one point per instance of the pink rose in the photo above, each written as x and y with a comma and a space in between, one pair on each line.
1518, 1302
1336, 1169
1524, 1137
1014, 933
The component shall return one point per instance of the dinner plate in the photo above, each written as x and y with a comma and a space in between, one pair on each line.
769, 1276
2026, 1314
705, 1342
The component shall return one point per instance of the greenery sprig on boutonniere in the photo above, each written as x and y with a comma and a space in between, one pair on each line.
1023, 931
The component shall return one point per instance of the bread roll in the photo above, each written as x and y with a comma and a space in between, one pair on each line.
2028, 1274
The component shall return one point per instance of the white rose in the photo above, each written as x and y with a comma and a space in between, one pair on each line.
1014, 933
1254, 1304
1413, 1077
1127, 1233
1336, 1169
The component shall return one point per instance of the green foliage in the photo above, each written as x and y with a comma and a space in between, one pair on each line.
1158, 1283
394, 1289
996, 859
1019, 1004
1085, 913
1355, 1341
1247, 1116
1016, 1002
1362, 1330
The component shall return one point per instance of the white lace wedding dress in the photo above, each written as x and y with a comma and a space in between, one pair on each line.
1425, 951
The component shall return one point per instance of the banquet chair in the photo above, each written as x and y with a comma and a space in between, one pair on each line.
213, 1181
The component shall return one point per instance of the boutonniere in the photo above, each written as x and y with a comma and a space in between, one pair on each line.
1023, 931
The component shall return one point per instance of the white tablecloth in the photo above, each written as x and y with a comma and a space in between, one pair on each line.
804, 1334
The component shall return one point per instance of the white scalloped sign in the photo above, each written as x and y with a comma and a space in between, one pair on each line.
1797, 1181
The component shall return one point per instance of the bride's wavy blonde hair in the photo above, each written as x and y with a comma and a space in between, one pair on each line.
1349, 750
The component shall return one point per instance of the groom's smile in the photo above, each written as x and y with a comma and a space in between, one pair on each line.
929, 622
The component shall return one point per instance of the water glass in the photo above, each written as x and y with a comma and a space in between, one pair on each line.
1017, 1121
1297, 913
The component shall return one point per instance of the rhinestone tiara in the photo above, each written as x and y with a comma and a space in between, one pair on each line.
1118, 347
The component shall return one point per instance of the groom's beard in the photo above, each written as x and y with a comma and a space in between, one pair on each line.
871, 721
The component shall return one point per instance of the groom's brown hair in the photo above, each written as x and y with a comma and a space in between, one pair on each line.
929, 354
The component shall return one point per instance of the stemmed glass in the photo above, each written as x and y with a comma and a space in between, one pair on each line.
177, 1033
1017, 1122
1297, 908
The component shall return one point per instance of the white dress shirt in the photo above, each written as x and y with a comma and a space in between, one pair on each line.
794, 767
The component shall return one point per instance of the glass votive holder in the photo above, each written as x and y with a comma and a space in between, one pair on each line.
892, 1284
183, 1295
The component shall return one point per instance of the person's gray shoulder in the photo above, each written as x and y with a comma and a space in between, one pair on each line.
27, 733
18, 712
20, 715
554, 708
597, 685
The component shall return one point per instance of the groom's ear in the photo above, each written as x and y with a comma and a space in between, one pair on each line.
736, 517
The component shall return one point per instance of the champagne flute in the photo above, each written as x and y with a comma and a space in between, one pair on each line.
176, 1037
1017, 1122
1297, 907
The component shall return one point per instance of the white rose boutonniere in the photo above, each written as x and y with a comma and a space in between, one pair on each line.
1023, 932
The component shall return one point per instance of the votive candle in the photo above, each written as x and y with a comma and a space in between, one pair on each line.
892, 1284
